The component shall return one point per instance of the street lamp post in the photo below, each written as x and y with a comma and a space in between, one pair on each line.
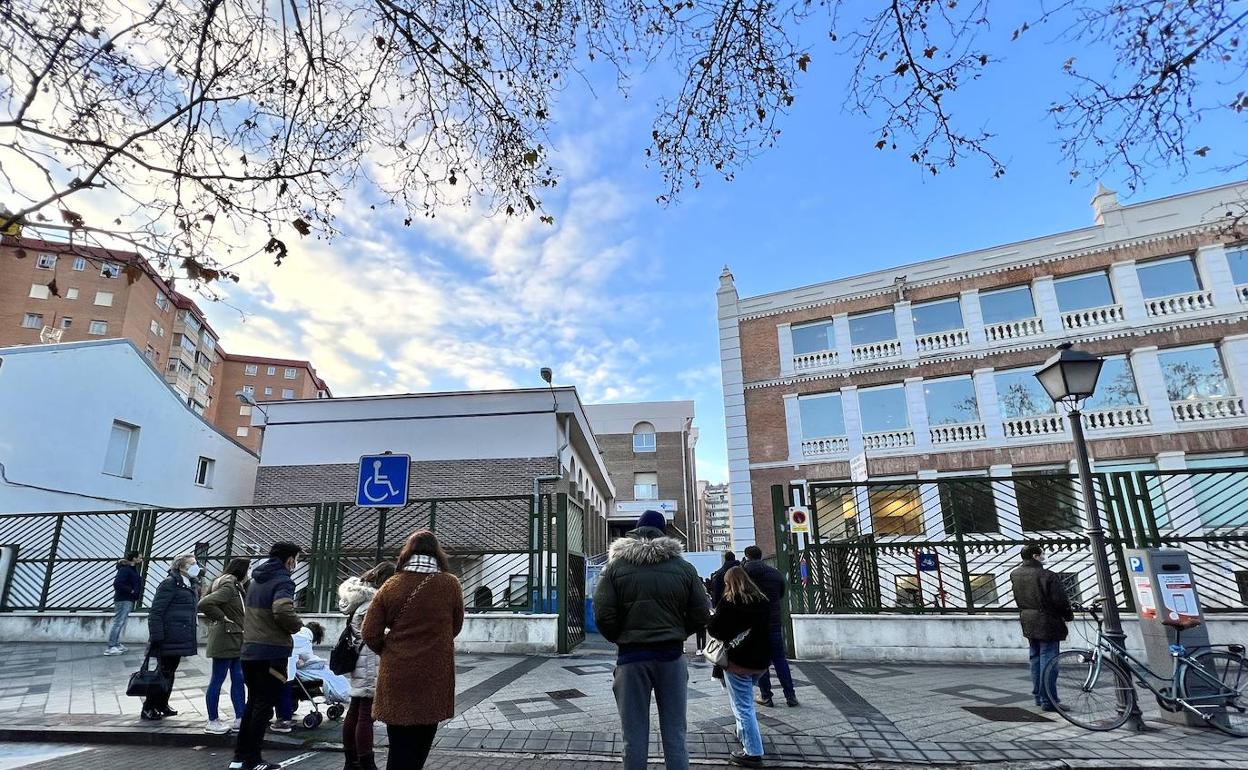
1069, 377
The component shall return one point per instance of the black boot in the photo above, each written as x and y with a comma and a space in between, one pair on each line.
368, 761
351, 760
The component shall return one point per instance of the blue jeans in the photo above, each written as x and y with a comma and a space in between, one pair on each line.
286, 703
669, 682
1040, 655
121, 613
238, 696
779, 661
741, 696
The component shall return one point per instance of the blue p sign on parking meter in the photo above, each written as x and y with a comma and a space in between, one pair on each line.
383, 481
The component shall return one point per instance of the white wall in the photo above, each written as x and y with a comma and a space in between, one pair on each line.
665, 416
57, 407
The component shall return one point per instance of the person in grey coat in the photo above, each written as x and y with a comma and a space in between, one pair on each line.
171, 629
1044, 611
355, 596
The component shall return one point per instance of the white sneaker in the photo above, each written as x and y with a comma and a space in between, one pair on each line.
114, 651
283, 726
236, 765
217, 727
238, 725
122, 647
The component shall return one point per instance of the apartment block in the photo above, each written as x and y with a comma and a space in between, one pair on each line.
649, 449
717, 515
262, 379
927, 370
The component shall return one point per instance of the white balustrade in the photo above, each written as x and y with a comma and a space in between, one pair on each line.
829, 446
1176, 304
1093, 316
958, 433
820, 359
1010, 330
1199, 410
1242, 291
928, 343
1035, 425
888, 439
874, 351
1117, 417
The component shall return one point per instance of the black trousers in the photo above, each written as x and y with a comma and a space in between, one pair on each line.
265, 680
168, 666
409, 746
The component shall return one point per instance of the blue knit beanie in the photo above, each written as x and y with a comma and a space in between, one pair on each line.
652, 519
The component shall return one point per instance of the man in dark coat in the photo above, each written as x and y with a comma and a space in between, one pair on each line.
171, 629
770, 580
127, 590
648, 601
1044, 611
717, 577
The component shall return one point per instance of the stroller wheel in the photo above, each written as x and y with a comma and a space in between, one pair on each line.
313, 720
335, 711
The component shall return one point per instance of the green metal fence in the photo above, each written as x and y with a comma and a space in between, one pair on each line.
506, 550
949, 544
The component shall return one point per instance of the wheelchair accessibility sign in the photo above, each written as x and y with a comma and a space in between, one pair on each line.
383, 481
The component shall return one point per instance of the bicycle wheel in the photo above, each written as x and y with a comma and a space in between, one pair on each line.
1089, 690
1227, 710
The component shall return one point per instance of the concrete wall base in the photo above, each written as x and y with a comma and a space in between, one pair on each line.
955, 638
483, 633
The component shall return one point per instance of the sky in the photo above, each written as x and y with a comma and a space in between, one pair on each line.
618, 296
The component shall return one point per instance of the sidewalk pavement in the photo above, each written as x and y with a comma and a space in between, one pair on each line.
560, 705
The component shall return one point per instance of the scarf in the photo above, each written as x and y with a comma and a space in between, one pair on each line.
421, 563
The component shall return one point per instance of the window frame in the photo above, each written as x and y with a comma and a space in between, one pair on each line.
813, 397
1027, 370
100, 294
91, 328
291, 373
110, 270
250, 370
956, 301
66, 321
130, 452
645, 446
42, 259
1069, 279
290, 391
829, 335
71, 292
943, 380
652, 489
205, 469
1031, 298
905, 404
35, 292
37, 321
80, 264
1227, 383
1190, 259
889, 311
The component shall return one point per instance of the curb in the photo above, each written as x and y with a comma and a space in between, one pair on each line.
179, 738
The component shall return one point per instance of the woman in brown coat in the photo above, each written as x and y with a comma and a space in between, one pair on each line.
411, 625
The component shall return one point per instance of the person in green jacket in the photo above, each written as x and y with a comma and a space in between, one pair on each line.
223, 609
648, 601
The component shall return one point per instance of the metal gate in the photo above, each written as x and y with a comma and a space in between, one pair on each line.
570, 561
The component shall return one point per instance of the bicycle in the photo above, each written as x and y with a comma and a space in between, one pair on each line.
1091, 689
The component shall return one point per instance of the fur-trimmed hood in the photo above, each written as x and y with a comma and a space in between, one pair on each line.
641, 550
353, 594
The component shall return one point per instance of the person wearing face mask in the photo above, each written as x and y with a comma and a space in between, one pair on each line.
171, 629
1044, 611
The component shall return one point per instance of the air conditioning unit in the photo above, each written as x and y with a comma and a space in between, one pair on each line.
49, 336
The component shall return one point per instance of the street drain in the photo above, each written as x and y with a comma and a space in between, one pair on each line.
1006, 714
566, 694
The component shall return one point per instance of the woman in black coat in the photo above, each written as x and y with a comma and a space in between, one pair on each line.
742, 620
171, 628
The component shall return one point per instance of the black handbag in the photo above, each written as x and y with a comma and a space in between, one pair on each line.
148, 681
346, 653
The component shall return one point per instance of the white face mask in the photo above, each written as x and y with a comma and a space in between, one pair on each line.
192, 571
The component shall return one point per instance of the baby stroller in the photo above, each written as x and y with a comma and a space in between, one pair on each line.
310, 688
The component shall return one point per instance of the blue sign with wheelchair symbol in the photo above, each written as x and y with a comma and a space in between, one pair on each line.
928, 562
383, 481
1137, 564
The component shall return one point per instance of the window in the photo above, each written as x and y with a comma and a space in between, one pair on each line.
1115, 387
71, 294
1047, 501
288, 393
155, 329
250, 370
1163, 277
1192, 373
66, 322
872, 327
203, 472
185, 342
908, 591
1081, 292
821, 416
291, 374
201, 387
645, 486
162, 301
813, 338
644, 438
98, 327
32, 321
80, 264
941, 316
40, 291
149, 353
46, 262
272, 370
1007, 305
1238, 260
883, 409
1020, 394
123, 442
208, 342
241, 432
244, 411
268, 391
104, 298
249, 390
110, 270
896, 510
950, 401
1219, 496
968, 506
983, 590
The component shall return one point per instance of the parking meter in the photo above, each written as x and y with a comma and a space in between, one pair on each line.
1165, 589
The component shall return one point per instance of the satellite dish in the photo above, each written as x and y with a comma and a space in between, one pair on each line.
49, 336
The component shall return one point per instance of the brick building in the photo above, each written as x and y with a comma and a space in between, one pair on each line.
649, 449
263, 379
58, 292
927, 369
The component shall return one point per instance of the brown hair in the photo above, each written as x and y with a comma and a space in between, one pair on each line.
739, 589
379, 574
422, 542
238, 568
